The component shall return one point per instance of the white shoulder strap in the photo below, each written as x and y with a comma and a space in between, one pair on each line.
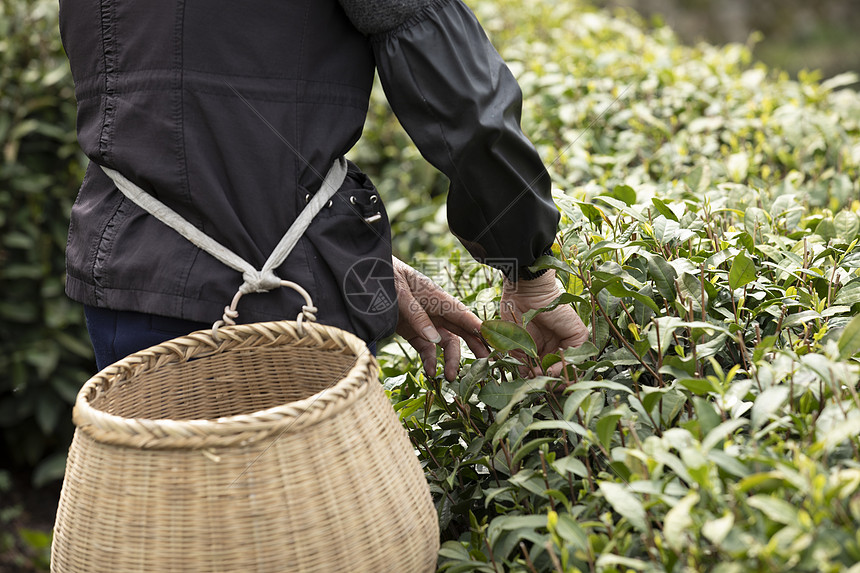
255, 280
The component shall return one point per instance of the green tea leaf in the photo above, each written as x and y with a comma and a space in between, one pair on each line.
497, 396
849, 340
678, 520
570, 465
776, 509
756, 221
665, 230
605, 427
623, 208
624, 193
557, 425
699, 386
506, 336
742, 271
846, 224
592, 213
722, 432
849, 294
579, 354
475, 374
663, 209
619, 290
625, 503
599, 249
664, 276
716, 530
767, 403
826, 229
571, 532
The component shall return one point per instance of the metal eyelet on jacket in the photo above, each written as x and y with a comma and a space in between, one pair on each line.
374, 199
352, 199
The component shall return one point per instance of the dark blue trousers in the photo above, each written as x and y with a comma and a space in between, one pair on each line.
117, 333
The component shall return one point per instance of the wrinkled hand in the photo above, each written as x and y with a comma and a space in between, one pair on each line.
557, 329
430, 316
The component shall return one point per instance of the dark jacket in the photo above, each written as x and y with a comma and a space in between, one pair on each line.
230, 113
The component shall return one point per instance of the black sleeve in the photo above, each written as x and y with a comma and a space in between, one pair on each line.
461, 105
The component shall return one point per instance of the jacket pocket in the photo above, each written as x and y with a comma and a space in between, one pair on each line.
352, 239
107, 241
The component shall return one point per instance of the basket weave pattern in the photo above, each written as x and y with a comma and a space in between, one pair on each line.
263, 451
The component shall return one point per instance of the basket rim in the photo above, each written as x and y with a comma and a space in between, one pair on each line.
239, 429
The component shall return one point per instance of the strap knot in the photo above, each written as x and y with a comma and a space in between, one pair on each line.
259, 281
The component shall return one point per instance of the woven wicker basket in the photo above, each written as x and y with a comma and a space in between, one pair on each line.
262, 451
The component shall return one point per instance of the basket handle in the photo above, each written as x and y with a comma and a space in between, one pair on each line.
230, 315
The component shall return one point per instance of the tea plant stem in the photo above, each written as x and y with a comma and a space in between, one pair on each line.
626, 344
545, 478
831, 283
454, 282
591, 561
441, 399
654, 553
590, 472
709, 230
492, 467
490, 555
587, 282
429, 452
551, 397
508, 459
853, 391
821, 402
627, 311
659, 350
791, 392
555, 562
463, 409
743, 348
565, 376
779, 321
569, 479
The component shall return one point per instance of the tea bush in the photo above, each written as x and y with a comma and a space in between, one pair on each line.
708, 239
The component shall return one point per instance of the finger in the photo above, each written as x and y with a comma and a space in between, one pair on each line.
440, 305
451, 352
473, 338
477, 345
414, 315
427, 353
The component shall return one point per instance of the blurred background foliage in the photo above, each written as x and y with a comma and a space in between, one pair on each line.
44, 349
790, 34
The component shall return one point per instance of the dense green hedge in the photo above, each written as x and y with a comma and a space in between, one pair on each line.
44, 350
